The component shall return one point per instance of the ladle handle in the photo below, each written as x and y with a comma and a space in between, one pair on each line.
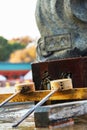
33, 108
8, 99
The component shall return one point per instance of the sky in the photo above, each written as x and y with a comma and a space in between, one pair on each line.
17, 19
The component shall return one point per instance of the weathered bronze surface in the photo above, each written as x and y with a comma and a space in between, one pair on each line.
56, 20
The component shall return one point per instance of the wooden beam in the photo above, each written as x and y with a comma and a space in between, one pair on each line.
74, 94
59, 113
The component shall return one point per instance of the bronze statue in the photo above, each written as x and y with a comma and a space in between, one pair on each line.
63, 28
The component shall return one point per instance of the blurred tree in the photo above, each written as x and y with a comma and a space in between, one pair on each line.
6, 49
24, 55
22, 40
16, 46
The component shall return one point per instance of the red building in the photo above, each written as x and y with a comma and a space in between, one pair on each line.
14, 70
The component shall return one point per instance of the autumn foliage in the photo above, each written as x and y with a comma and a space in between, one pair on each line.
22, 40
24, 55
16, 50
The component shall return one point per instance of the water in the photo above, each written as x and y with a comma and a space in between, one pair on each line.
11, 113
